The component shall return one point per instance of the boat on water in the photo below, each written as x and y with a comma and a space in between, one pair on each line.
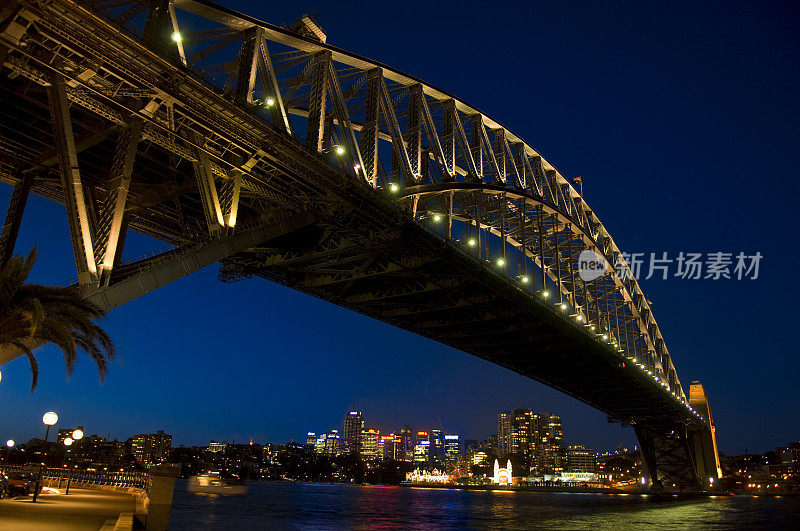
214, 484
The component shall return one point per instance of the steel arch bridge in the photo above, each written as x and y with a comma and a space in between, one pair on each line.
281, 156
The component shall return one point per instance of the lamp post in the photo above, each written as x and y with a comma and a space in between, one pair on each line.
48, 419
77, 435
68, 442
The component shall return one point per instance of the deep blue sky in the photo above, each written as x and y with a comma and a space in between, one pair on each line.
682, 119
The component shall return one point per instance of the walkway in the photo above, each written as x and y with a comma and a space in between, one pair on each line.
81, 509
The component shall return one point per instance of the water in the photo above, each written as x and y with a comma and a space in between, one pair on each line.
286, 505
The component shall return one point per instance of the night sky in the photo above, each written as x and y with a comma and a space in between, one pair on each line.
682, 119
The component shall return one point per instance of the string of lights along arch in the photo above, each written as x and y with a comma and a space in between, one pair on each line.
278, 155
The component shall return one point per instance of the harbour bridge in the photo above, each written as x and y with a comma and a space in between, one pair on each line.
278, 155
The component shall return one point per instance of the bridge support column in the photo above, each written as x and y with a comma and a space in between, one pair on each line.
80, 226
16, 207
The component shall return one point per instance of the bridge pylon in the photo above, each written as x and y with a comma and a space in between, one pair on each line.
681, 457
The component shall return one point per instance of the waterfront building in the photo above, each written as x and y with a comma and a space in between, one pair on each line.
578, 458
353, 426
502, 476
311, 439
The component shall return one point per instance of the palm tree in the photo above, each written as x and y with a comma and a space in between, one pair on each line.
31, 314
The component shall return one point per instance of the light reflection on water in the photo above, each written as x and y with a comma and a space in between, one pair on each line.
285, 505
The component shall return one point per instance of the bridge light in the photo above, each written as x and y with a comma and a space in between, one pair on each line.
501, 262
394, 188
176, 37
525, 279
437, 218
270, 102
579, 318
593, 327
563, 305
605, 336
472, 242
545, 294
339, 150
635, 360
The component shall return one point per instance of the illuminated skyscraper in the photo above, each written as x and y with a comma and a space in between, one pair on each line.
332, 443
353, 425
436, 456
452, 449
407, 441
370, 444
504, 433
549, 458
311, 438
422, 451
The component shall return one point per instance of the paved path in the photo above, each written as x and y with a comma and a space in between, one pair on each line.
82, 509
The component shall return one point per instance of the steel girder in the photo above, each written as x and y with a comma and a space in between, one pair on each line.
217, 124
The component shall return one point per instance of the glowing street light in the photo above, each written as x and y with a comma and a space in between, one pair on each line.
472, 242
501, 262
545, 294
394, 188
339, 150
10, 443
605, 336
270, 102
437, 218
176, 37
564, 306
68, 441
525, 279
48, 419
579, 318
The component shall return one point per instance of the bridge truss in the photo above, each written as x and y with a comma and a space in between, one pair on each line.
268, 150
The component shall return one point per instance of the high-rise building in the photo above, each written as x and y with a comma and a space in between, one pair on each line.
319, 445
504, 433
578, 458
422, 451
549, 458
332, 445
523, 435
407, 441
370, 444
452, 448
151, 448
353, 426
436, 456
311, 439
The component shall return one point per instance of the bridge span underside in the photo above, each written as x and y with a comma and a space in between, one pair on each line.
296, 161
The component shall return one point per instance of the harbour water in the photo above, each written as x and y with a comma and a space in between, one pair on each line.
289, 505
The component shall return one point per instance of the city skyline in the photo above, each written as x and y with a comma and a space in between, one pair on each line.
265, 364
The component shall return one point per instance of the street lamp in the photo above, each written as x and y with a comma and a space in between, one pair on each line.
10, 443
68, 442
48, 419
